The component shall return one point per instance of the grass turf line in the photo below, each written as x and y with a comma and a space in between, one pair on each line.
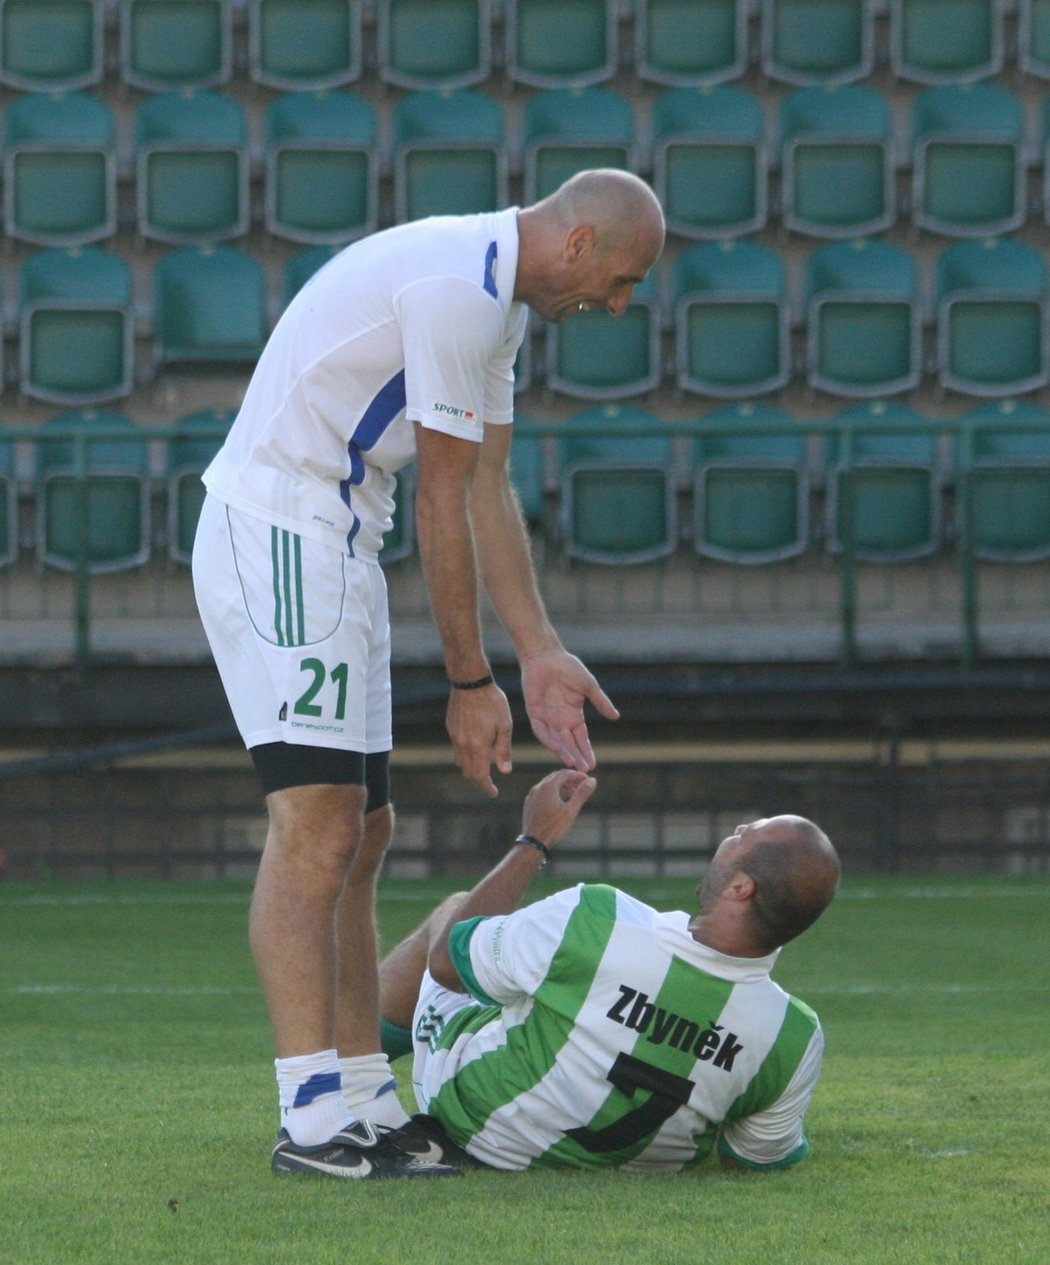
139, 1103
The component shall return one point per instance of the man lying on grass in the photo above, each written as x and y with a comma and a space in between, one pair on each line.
588, 1029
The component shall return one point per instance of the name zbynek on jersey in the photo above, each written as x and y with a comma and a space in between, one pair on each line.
664, 1026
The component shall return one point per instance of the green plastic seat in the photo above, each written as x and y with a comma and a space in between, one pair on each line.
1033, 37
1005, 482
52, 47
817, 41
188, 455
731, 320
836, 161
884, 487
560, 43
710, 161
1045, 151
59, 169
945, 41
434, 43
690, 43
8, 503
97, 511
750, 488
301, 44
863, 319
596, 356
968, 160
528, 476
617, 490
76, 326
449, 154
166, 44
321, 167
191, 167
209, 306
566, 131
991, 317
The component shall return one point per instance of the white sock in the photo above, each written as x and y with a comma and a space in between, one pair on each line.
369, 1091
309, 1090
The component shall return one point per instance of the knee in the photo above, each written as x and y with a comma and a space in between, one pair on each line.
375, 839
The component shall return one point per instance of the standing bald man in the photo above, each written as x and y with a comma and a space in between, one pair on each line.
589, 1030
402, 347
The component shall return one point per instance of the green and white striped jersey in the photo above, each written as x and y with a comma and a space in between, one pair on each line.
603, 1034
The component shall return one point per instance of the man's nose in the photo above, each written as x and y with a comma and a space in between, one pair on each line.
618, 305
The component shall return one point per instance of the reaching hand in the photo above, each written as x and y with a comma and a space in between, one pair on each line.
479, 724
556, 685
553, 805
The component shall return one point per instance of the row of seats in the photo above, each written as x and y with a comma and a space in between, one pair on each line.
751, 472
727, 307
710, 159
541, 43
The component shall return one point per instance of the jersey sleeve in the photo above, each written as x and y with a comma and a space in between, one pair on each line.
775, 1137
504, 958
455, 350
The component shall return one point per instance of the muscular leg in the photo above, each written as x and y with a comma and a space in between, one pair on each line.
357, 989
313, 836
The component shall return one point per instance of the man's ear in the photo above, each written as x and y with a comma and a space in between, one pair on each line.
579, 243
740, 887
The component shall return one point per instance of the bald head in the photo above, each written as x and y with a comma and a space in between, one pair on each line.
620, 207
775, 877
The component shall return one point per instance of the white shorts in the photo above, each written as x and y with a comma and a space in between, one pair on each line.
435, 1006
300, 634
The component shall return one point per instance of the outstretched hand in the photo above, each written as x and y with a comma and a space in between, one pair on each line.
553, 805
555, 686
479, 724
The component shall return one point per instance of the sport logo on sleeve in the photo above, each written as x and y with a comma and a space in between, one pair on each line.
450, 410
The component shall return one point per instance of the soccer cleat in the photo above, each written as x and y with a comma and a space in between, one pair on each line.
424, 1138
357, 1152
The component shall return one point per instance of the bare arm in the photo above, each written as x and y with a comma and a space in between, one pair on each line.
555, 683
478, 721
550, 809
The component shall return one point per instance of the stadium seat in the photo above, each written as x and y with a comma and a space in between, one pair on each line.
945, 41
1004, 481
301, 44
400, 541
617, 490
76, 326
191, 167
837, 175
968, 160
596, 356
188, 455
528, 476
1033, 37
817, 41
883, 485
8, 503
1045, 158
732, 320
209, 306
560, 43
750, 488
709, 161
59, 169
93, 508
681, 43
166, 44
321, 167
566, 131
53, 47
449, 154
434, 43
991, 317
863, 319
300, 267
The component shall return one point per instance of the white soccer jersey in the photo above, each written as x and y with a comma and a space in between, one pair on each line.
414, 324
604, 1034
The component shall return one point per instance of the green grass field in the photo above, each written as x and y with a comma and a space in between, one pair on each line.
139, 1104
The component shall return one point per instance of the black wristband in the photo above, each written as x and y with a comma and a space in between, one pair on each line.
480, 683
533, 842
